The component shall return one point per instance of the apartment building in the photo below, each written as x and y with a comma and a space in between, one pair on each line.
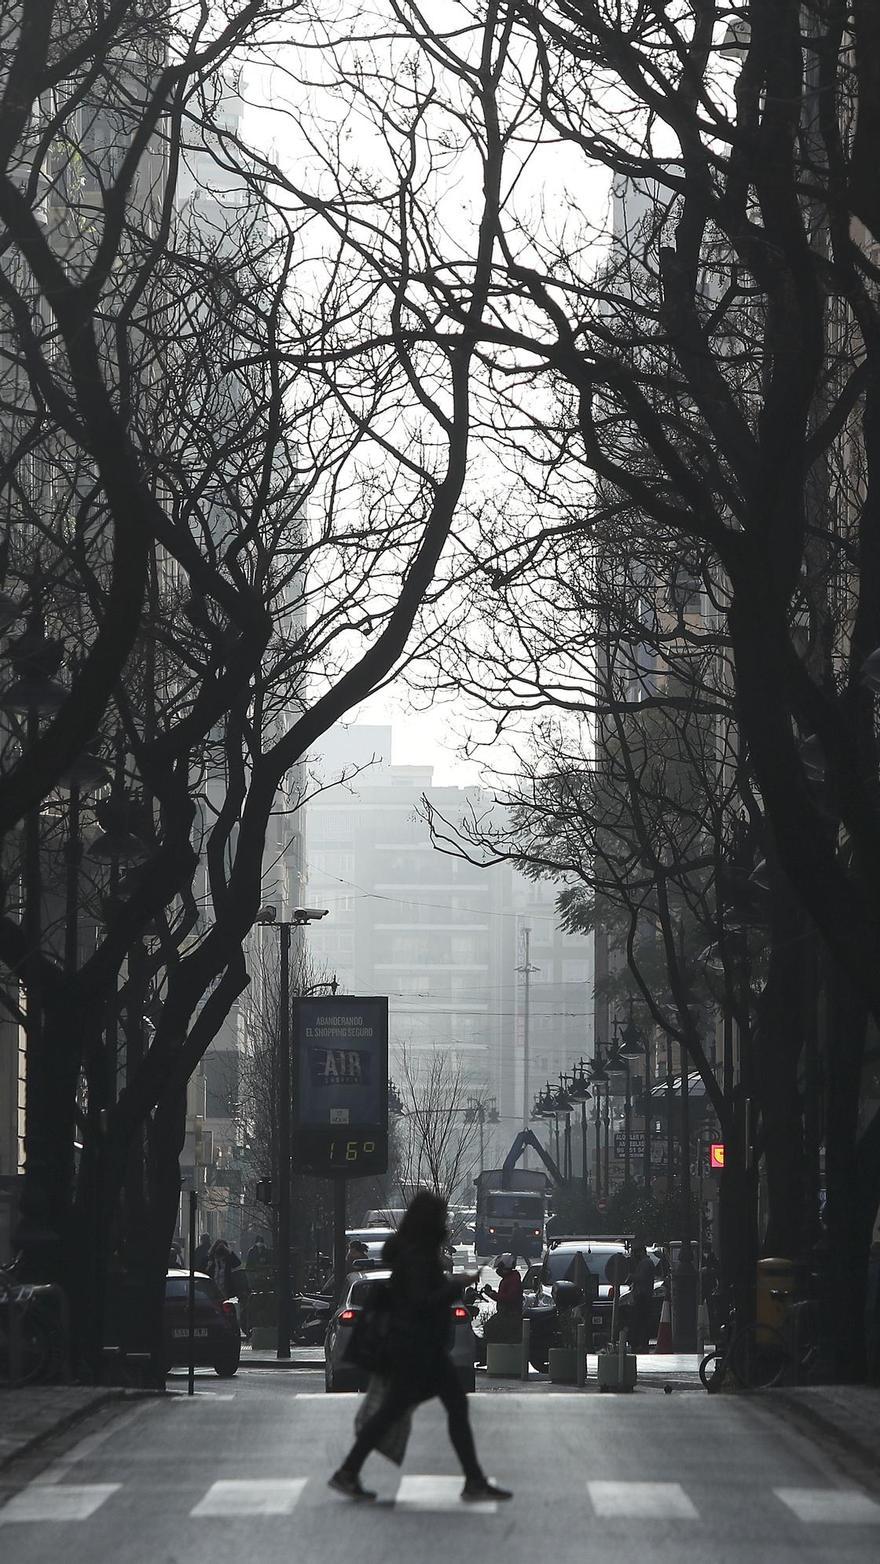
447, 940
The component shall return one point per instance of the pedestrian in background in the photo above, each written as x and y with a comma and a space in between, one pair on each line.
509, 1293
258, 1254
419, 1366
222, 1266
202, 1253
642, 1276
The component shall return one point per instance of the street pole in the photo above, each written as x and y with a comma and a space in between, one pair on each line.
684, 1277
627, 1114
648, 1125
607, 1139
526, 969
585, 1165
282, 1258
670, 1128
191, 1292
340, 1192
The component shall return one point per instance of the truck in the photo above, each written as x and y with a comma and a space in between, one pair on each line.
510, 1216
512, 1202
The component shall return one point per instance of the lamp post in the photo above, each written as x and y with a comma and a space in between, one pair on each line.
633, 1045
578, 1090
599, 1077
476, 1112
265, 917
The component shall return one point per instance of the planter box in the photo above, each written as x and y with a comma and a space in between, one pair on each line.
608, 1371
504, 1359
562, 1363
264, 1337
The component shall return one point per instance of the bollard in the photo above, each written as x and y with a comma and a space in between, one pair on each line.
526, 1346
581, 1355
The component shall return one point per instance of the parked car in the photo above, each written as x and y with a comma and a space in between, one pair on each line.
217, 1333
375, 1239
339, 1375
606, 1260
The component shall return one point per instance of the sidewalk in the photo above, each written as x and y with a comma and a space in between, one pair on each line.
34, 1413
265, 1357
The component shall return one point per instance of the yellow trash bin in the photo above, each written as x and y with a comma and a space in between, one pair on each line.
775, 1292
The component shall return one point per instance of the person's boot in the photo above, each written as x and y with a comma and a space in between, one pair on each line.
349, 1484
477, 1489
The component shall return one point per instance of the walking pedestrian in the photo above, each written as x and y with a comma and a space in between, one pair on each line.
258, 1254
419, 1366
642, 1276
222, 1266
202, 1253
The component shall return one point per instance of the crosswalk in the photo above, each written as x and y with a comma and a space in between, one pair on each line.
42, 1503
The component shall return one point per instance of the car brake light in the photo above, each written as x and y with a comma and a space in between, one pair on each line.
347, 1316
227, 1307
460, 1313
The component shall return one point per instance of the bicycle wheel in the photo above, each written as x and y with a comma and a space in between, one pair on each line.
759, 1357
712, 1370
35, 1353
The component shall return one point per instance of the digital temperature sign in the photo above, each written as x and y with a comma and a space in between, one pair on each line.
340, 1086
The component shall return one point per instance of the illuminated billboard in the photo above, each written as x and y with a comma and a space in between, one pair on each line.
340, 1086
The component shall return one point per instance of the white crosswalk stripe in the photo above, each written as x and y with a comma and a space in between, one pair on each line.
43, 1501
61, 1502
641, 1501
831, 1506
257, 1496
434, 1494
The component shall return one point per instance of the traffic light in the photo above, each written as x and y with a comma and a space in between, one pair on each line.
716, 1155
263, 1191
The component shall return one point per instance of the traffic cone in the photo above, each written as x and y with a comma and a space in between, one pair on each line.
664, 1329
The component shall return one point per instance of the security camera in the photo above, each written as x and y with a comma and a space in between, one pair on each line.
306, 914
266, 915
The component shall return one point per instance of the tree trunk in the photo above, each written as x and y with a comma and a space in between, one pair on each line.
844, 1261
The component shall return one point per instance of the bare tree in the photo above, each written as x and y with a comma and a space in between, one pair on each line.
440, 1133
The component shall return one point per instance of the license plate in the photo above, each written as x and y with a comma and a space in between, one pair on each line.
199, 1331
598, 1319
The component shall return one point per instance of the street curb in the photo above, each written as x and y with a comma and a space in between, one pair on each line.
70, 1419
281, 1363
844, 1446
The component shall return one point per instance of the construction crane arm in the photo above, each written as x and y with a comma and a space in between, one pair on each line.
523, 1139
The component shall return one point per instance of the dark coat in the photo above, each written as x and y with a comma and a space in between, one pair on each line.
421, 1295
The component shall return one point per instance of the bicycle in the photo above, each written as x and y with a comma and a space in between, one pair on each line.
29, 1349
757, 1356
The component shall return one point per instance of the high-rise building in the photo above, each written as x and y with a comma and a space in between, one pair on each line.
443, 937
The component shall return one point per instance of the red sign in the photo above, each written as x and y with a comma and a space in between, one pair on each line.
716, 1154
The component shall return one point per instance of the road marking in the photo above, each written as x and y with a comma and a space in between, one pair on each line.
61, 1502
328, 1396
831, 1506
260, 1496
641, 1501
437, 1493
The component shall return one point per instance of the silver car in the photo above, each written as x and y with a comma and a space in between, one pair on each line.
339, 1375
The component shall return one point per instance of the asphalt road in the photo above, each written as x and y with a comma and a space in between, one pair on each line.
239, 1474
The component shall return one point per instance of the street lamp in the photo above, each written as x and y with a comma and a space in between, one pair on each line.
579, 1091
268, 917
599, 1077
618, 1064
634, 1045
